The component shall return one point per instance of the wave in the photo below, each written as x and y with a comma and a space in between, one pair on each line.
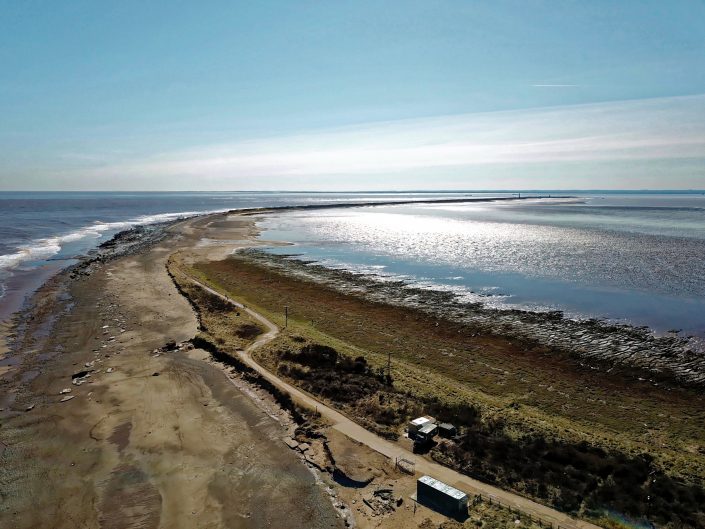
45, 248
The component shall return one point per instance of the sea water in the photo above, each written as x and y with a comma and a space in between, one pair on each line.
41, 232
630, 258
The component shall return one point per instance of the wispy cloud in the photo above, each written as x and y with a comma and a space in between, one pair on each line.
553, 85
664, 128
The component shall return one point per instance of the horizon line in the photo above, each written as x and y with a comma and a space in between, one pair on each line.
376, 191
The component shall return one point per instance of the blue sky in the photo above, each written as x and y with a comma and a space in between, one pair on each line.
352, 95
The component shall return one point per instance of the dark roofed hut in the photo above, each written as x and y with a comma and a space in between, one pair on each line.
447, 430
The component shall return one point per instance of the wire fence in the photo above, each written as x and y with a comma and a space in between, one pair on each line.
521, 514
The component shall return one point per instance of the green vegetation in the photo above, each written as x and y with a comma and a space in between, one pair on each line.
539, 443
576, 478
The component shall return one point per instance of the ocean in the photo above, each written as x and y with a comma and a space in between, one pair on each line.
42, 232
636, 258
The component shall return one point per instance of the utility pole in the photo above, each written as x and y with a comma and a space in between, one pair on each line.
286, 316
389, 366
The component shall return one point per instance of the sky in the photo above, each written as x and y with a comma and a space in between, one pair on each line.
352, 95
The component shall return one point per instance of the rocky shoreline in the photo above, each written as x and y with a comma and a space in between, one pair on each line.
127, 242
123, 243
595, 344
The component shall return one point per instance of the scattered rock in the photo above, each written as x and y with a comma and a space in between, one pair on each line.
64, 391
385, 494
67, 398
155, 374
79, 378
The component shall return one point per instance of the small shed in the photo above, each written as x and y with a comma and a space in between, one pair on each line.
447, 430
441, 497
416, 424
426, 432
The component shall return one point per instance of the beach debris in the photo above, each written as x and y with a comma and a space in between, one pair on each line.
382, 501
106, 326
109, 370
64, 391
67, 398
385, 494
171, 346
79, 378
30, 407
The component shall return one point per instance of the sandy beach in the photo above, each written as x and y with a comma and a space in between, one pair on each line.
110, 417
146, 440
352, 265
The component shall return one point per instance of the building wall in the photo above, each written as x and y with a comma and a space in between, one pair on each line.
427, 495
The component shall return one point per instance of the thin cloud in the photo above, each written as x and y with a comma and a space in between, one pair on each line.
655, 129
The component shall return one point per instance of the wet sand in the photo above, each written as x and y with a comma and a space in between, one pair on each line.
159, 441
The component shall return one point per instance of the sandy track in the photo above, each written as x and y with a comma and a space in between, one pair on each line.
356, 432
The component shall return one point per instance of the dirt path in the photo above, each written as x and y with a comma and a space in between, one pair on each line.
354, 431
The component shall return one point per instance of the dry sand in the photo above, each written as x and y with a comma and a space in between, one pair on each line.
159, 441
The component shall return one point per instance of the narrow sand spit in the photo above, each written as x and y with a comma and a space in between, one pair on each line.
146, 441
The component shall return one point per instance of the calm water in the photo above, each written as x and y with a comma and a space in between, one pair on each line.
40, 232
638, 259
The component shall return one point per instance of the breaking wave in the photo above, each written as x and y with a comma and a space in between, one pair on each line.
46, 248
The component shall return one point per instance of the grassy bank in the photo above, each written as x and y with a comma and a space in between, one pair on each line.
530, 421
